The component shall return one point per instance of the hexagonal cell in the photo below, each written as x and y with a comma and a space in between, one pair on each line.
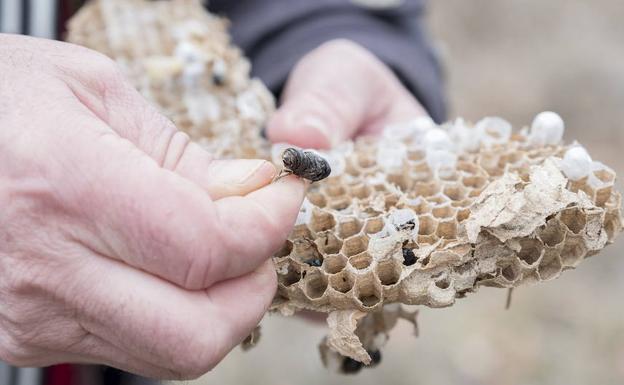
550, 265
328, 243
388, 272
447, 229
443, 282
574, 250
315, 285
602, 195
426, 189
374, 225
438, 200
301, 231
361, 191
355, 245
446, 211
306, 251
348, 227
467, 167
552, 234
317, 199
340, 203
427, 225
427, 239
334, 263
284, 250
473, 193
605, 175
322, 220
334, 190
474, 181
292, 276
530, 251
366, 161
513, 157
510, 272
367, 290
455, 191
399, 180
361, 261
574, 219
422, 207
462, 215
342, 282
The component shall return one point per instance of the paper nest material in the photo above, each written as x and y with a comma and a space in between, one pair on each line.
422, 216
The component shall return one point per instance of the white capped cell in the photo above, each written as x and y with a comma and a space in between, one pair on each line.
493, 130
437, 139
547, 129
441, 160
576, 163
403, 220
467, 138
391, 155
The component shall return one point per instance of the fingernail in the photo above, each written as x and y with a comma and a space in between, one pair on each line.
312, 122
244, 171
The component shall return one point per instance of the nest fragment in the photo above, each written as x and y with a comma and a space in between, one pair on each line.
423, 216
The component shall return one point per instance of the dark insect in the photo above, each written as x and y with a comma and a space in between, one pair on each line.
375, 356
218, 79
409, 258
409, 225
304, 164
350, 366
316, 262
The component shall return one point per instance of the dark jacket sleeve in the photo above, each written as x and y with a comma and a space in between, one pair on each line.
275, 34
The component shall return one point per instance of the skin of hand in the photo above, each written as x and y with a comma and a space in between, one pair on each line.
121, 241
336, 92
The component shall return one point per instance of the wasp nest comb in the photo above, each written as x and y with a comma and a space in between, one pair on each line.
422, 216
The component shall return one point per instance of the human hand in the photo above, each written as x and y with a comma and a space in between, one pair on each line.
336, 92
122, 242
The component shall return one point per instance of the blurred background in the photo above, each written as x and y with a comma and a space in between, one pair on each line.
512, 59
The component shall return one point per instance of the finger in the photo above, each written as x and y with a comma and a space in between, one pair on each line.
156, 324
155, 220
337, 91
251, 229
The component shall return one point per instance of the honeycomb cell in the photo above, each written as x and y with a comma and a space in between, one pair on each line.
530, 251
427, 225
285, 250
348, 227
334, 190
322, 220
361, 261
389, 272
574, 250
574, 219
317, 199
605, 175
441, 212
374, 225
602, 195
468, 167
443, 282
292, 276
334, 263
474, 181
552, 233
550, 265
426, 189
355, 245
340, 204
447, 229
511, 158
510, 272
367, 290
365, 161
342, 282
361, 191
462, 215
315, 285
301, 231
328, 243
306, 251
455, 192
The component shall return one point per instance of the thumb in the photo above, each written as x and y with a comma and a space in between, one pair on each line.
337, 91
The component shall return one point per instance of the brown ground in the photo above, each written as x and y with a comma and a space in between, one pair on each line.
512, 59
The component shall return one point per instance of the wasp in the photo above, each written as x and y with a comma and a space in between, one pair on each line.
305, 164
